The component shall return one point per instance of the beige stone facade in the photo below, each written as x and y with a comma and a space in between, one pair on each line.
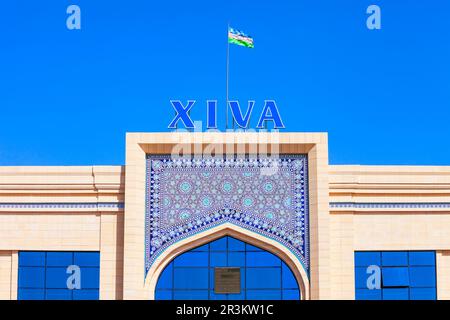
102, 208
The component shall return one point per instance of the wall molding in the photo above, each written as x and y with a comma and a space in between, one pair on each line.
63, 205
333, 205
389, 205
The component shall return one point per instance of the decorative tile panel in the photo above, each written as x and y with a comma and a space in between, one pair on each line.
265, 195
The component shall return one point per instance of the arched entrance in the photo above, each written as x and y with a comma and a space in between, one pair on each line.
257, 274
227, 229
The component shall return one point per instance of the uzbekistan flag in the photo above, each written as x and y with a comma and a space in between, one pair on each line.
239, 38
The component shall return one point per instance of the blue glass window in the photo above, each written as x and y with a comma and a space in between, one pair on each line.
367, 294
166, 280
31, 294
291, 295
32, 259
85, 294
423, 293
192, 259
288, 279
264, 295
249, 248
236, 245
365, 259
190, 295
236, 259
361, 277
395, 277
394, 258
58, 259
191, 274
202, 248
422, 258
422, 277
263, 278
44, 275
86, 259
32, 277
218, 245
163, 295
218, 259
190, 278
56, 278
395, 294
58, 294
262, 259
405, 275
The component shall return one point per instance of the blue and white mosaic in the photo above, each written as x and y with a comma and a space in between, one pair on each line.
187, 196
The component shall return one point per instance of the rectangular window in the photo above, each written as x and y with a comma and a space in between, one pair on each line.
402, 275
367, 258
191, 278
394, 258
368, 294
395, 277
52, 275
271, 276
395, 294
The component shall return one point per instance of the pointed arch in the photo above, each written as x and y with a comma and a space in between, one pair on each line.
227, 229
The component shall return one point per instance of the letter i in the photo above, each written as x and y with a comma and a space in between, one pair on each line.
211, 113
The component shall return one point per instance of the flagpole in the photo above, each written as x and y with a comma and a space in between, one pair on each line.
228, 67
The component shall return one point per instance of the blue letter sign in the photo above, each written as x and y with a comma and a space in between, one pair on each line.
182, 113
237, 113
269, 113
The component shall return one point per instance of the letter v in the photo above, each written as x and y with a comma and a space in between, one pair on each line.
237, 113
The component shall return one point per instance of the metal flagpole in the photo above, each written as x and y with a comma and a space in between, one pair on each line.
228, 65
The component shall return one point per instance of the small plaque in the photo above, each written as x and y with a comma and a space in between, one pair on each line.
227, 280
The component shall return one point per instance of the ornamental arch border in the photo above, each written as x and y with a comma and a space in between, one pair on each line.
227, 229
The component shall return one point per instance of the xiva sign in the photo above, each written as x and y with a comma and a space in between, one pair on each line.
269, 113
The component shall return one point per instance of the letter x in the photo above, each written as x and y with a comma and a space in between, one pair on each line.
182, 113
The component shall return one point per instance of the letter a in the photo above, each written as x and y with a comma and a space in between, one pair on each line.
374, 280
74, 280
270, 113
374, 20
74, 20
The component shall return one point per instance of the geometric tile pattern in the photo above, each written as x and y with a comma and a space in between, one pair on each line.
266, 195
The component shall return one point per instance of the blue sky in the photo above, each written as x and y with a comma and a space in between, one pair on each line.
68, 97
